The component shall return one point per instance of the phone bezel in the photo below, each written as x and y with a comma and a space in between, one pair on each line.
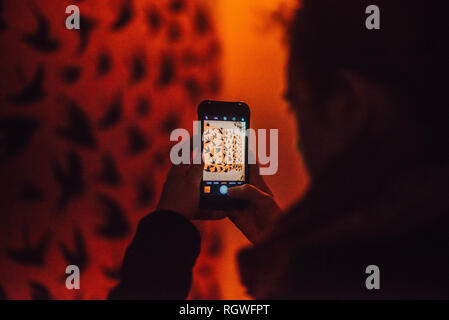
220, 109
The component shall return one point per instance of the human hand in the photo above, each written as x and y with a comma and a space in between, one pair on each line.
257, 220
181, 193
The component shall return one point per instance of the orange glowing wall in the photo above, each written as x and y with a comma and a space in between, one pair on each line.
129, 84
254, 58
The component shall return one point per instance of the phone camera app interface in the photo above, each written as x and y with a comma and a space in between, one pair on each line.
223, 153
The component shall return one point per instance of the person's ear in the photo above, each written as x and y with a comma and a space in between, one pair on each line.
344, 110
365, 102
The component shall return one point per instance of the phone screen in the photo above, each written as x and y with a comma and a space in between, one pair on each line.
224, 153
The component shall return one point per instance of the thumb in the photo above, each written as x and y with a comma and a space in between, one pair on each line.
247, 192
195, 172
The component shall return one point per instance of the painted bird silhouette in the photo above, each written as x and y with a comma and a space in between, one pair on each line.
124, 16
87, 26
143, 106
138, 70
41, 40
202, 23
78, 129
113, 114
31, 194
154, 19
170, 123
70, 180
115, 225
145, 194
137, 141
2, 21
70, 74
39, 291
112, 272
192, 88
16, 133
30, 253
104, 63
110, 174
79, 255
177, 6
167, 71
3, 295
32, 92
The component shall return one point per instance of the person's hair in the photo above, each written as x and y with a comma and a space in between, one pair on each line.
407, 55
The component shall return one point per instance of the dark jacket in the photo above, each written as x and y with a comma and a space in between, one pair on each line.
368, 209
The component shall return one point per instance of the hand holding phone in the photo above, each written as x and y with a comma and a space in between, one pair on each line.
259, 217
180, 191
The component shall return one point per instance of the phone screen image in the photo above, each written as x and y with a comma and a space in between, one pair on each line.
224, 151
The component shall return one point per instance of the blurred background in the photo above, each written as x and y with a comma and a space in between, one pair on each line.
253, 65
85, 118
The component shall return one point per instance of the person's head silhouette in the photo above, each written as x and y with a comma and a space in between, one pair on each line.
348, 84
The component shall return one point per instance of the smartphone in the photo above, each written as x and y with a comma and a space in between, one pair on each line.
224, 148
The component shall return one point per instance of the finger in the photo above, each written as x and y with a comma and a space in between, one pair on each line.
257, 180
195, 172
247, 192
195, 150
178, 170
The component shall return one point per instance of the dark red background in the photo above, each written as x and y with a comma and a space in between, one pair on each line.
98, 122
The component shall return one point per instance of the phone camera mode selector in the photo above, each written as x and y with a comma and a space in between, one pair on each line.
223, 189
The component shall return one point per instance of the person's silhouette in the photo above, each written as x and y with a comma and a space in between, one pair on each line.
369, 106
